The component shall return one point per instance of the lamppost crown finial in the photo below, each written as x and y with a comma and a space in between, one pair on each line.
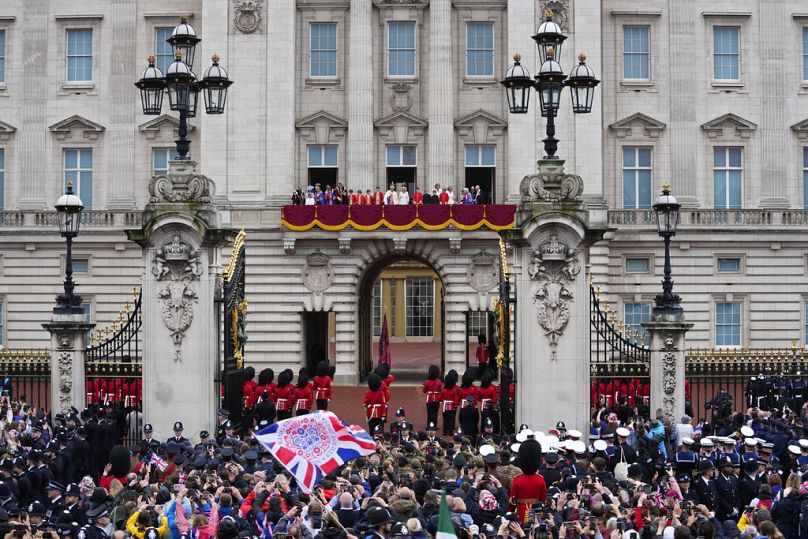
183, 17
517, 57
215, 58
151, 59
550, 53
69, 187
582, 57
666, 188
178, 54
548, 14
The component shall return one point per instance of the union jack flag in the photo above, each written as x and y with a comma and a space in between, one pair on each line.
313, 445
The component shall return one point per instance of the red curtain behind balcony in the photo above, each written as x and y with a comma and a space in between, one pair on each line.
404, 217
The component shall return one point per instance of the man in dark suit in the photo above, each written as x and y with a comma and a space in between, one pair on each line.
550, 473
749, 484
726, 488
704, 487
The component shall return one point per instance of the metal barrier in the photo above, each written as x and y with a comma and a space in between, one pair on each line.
25, 375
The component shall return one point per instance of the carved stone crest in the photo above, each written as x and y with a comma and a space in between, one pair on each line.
65, 361
181, 184
317, 272
560, 9
551, 184
554, 267
483, 273
178, 265
401, 99
248, 15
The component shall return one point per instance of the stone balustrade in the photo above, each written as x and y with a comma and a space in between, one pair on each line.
90, 219
695, 218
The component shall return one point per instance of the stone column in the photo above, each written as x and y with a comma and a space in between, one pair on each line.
551, 252
441, 155
668, 366
360, 97
68, 337
347, 362
179, 239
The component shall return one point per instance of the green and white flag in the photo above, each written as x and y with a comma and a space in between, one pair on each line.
445, 526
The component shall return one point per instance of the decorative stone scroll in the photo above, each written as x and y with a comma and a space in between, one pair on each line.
551, 184
178, 265
317, 274
554, 267
181, 184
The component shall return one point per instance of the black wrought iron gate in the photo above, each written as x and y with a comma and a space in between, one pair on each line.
620, 360
234, 319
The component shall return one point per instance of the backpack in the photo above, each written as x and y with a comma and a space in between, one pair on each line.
621, 468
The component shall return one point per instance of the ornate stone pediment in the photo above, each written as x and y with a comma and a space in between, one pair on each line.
322, 128
729, 126
480, 127
646, 126
800, 128
76, 124
6, 131
401, 127
154, 129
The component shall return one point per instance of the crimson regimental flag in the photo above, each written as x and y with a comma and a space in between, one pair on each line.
384, 344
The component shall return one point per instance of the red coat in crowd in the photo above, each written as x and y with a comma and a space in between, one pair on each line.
432, 389
322, 387
449, 399
302, 397
249, 393
465, 392
283, 398
259, 390
376, 404
482, 355
353, 199
488, 396
526, 490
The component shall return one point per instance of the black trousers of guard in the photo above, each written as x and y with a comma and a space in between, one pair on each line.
284, 414
432, 412
322, 404
449, 422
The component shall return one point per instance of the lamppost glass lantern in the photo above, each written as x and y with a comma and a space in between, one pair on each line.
184, 39
214, 85
179, 80
193, 97
582, 83
548, 38
518, 84
69, 208
151, 85
666, 209
550, 82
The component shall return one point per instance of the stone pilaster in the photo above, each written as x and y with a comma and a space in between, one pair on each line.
668, 367
347, 363
360, 97
68, 337
522, 128
441, 97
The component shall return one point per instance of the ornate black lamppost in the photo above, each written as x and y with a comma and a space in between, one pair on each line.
183, 86
666, 208
69, 208
550, 81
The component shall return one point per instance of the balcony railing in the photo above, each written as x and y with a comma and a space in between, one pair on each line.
90, 219
715, 218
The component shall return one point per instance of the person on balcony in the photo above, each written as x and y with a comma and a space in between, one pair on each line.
403, 196
443, 196
353, 198
450, 191
417, 197
391, 196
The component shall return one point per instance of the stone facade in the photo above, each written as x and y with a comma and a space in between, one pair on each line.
257, 152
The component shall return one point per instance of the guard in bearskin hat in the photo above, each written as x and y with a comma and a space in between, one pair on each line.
528, 487
449, 402
432, 387
375, 403
283, 395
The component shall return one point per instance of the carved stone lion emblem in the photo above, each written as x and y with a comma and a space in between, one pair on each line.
248, 16
483, 273
317, 274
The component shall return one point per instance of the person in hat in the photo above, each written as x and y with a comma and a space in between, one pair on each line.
487, 436
449, 401
178, 438
549, 470
98, 523
726, 487
561, 429
624, 452
688, 495
375, 403
81, 452
401, 421
487, 396
72, 497
685, 460
322, 386
147, 443
468, 389
704, 487
469, 417
432, 388
529, 487
55, 503
432, 433
302, 396
283, 395
380, 521
749, 484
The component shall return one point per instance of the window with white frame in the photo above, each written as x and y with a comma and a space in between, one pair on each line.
377, 308
635, 315
420, 306
637, 265
728, 265
727, 53
805, 177
727, 177
78, 168
2, 178
637, 52
401, 49
163, 52
637, 177
2, 56
79, 55
805, 54
480, 49
401, 155
161, 157
481, 155
728, 323
323, 165
323, 43
477, 324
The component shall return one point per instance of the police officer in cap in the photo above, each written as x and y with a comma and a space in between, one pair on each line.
431, 433
148, 443
72, 496
401, 420
487, 436
380, 520
81, 452
226, 430
178, 438
99, 520
55, 504
726, 487
704, 487
223, 417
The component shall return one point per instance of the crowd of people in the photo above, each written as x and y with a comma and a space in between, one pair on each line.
316, 195
633, 477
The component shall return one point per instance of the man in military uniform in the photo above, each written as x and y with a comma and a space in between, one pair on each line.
506, 471
550, 470
55, 462
749, 484
726, 487
99, 520
223, 416
685, 460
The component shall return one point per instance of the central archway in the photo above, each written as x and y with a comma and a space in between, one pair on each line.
409, 292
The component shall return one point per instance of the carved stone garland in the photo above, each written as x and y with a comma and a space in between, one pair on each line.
65, 362
554, 267
178, 266
668, 377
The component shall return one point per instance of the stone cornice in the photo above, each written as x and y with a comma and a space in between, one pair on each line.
63, 130
624, 127
716, 128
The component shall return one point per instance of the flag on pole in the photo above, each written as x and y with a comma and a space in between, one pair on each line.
445, 526
313, 445
384, 343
